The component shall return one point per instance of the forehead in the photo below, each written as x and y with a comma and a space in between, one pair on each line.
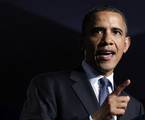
108, 15
108, 18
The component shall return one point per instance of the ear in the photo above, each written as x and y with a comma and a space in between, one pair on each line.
127, 43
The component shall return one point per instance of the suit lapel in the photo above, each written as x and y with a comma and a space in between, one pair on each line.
84, 91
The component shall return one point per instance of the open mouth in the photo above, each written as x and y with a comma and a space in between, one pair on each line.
105, 55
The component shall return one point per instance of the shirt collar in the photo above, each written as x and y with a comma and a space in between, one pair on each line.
93, 75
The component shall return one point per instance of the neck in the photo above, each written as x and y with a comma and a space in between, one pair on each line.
99, 70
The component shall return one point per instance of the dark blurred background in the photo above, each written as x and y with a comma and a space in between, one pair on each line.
40, 36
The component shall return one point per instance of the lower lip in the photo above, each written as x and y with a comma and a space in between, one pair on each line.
105, 57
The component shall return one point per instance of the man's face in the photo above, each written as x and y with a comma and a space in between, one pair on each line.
106, 41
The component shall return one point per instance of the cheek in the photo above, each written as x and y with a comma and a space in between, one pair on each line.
120, 45
91, 50
93, 40
91, 45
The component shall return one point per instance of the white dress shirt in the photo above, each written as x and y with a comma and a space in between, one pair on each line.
94, 77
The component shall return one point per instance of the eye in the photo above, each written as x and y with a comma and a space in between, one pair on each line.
117, 32
97, 31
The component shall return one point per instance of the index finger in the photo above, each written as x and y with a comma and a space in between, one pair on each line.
121, 87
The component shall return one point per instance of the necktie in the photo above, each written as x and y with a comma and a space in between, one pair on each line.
104, 83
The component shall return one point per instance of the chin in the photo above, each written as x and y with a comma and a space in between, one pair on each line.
106, 68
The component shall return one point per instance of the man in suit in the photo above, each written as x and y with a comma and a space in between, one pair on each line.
76, 95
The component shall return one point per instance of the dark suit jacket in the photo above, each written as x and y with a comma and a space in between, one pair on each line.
141, 117
66, 96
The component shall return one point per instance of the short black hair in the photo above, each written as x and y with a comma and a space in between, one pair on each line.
91, 14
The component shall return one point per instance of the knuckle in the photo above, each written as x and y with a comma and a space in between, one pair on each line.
111, 96
122, 111
128, 98
113, 111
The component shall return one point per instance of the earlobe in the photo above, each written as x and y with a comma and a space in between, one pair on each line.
127, 43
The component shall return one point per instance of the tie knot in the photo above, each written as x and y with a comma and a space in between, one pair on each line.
105, 82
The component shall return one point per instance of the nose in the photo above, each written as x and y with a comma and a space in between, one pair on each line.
107, 39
